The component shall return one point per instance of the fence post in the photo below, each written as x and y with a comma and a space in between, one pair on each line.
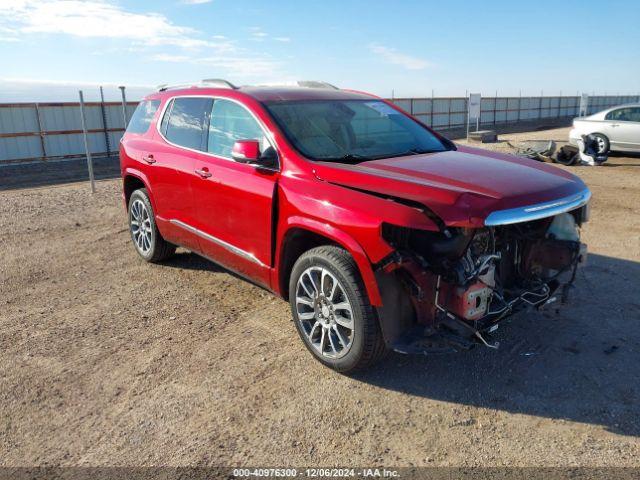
431, 123
466, 108
40, 132
124, 106
86, 143
104, 122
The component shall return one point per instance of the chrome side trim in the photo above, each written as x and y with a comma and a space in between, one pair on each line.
538, 211
227, 246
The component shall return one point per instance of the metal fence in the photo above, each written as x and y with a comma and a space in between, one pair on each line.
49, 131
451, 112
45, 131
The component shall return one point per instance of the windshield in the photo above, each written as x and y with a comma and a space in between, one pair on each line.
351, 130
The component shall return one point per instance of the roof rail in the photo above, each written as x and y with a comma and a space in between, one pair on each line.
316, 84
219, 82
207, 82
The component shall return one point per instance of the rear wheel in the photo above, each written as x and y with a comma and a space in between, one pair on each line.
144, 233
332, 312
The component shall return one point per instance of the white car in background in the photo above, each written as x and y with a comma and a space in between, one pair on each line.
616, 129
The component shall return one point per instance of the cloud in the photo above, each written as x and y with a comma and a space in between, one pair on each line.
39, 90
99, 19
163, 57
257, 34
242, 66
150, 35
391, 55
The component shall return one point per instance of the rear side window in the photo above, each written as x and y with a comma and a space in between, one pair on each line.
143, 116
187, 122
630, 114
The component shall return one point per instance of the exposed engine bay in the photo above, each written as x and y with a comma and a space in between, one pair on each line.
460, 283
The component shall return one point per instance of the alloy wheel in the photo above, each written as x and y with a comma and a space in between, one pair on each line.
141, 229
324, 312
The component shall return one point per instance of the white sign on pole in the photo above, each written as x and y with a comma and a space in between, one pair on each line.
474, 105
584, 104
474, 110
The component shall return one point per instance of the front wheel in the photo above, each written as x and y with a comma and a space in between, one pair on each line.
603, 143
144, 232
332, 312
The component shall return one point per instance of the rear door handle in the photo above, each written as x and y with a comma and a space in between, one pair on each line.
615, 124
204, 173
149, 159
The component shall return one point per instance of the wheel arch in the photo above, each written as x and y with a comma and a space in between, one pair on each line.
133, 180
130, 184
304, 234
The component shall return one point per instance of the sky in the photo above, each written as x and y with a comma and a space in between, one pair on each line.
51, 48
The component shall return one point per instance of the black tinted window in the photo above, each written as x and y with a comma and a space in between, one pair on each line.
142, 117
351, 130
188, 121
634, 114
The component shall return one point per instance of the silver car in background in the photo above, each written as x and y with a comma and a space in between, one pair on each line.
616, 129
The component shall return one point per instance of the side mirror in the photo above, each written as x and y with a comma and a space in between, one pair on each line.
246, 151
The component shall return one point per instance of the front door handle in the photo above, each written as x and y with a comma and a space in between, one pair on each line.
615, 124
204, 173
149, 159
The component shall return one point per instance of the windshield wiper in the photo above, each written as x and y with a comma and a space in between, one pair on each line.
412, 151
356, 158
348, 157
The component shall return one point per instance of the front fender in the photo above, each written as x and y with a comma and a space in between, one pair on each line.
347, 242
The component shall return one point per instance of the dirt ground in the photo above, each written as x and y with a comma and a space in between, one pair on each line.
106, 360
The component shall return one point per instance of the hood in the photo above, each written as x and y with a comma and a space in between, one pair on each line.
461, 186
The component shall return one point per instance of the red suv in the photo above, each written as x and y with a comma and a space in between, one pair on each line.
382, 234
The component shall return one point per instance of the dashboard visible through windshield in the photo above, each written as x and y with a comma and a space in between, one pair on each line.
351, 131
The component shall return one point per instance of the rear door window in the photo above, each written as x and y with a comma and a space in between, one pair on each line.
188, 122
634, 115
142, 117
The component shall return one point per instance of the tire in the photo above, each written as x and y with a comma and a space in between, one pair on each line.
603, 143
323, 283
147, 241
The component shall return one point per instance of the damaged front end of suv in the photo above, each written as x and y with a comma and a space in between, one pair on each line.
448, 290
